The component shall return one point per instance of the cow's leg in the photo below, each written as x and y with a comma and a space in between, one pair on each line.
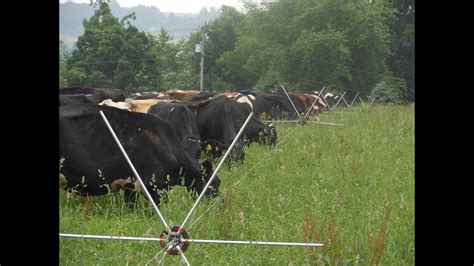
87, 207
154, 195
131, 198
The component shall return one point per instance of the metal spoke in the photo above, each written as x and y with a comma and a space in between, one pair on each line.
339, 100
181, 243
353, 100
317, 99
344, 99
157, 254
135, 171
182, 255
314, 122
200, 216
324, 100
264, 157
254, 243
113, 237
372, 101
325, 123
163, 258
296, 110
217, 169
344, 113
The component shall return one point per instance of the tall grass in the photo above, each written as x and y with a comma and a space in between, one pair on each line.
350, 187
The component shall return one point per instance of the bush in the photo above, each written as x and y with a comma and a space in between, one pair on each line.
391, 90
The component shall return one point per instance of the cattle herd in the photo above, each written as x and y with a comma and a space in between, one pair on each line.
165, 135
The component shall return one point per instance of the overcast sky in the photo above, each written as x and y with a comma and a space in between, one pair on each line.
177, 6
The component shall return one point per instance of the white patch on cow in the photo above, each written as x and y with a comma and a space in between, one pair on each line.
328, 95
251, 97
119, 105
118, 184
244, 99
62, 181
61, 162
138, 187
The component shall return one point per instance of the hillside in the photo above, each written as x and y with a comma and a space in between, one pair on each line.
149, 19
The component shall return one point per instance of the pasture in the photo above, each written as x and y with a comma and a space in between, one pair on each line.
350, 187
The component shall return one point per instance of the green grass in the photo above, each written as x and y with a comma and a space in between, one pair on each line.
350, 187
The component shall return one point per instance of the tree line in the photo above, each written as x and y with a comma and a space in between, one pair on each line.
361, 46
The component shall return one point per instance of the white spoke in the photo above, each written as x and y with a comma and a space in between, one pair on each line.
329, 106
205, 241
162, 260
339, 100
157, 254
317, 99
314, 122
217, 169
200, 216
296, 110
325, 123
182, 255
344, 99
372, 101
135, 171
112, 237
353, 100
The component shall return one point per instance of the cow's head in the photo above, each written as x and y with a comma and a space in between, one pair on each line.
238, 153
193, 146
216, 149
213, 148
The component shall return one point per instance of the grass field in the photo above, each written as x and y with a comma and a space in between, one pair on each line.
350, 187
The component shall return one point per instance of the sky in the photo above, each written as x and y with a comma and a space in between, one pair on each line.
176, 6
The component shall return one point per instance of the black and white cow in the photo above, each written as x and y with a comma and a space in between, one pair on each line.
92, 163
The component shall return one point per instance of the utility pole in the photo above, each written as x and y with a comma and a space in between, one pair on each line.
202, 60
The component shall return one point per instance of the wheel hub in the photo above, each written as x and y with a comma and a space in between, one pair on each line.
174, 240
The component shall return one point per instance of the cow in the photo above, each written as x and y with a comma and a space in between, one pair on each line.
280, 107
100, 94
92, 163
183, 120
308, 98
119, 105
189, 95
219, 121
69, 99
140, 106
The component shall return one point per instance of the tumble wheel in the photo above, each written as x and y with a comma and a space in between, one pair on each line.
175, 240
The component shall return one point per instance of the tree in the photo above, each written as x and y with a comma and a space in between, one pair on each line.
63, 81
319, 58
113, 53
402, 61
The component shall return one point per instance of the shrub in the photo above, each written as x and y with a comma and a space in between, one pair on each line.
391, 90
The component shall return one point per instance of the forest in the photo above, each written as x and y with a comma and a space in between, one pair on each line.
359, 46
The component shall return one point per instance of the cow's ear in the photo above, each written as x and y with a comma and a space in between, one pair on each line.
206, 166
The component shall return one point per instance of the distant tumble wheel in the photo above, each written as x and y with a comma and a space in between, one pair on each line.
176, 238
